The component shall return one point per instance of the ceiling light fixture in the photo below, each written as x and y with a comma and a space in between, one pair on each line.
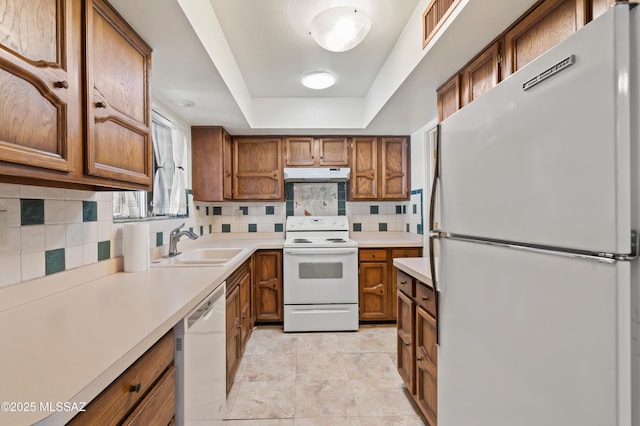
318, 80
339, 29
183, 103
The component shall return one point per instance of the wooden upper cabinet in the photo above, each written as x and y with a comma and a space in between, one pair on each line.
258, 168
547, 25
449, 97
211, 163
364, 165
38, 63
481, 75
118, 105
300, 152
394, 170
333, 151
312, 152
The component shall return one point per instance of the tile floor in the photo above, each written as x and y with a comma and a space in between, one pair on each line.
296, 379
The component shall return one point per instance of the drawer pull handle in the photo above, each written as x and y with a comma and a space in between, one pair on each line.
135, 388
426, 297
101, 104
61, 85
403, 282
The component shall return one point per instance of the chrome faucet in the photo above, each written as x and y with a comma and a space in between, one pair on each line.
174, 237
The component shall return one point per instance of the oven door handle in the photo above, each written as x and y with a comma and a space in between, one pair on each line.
326, 252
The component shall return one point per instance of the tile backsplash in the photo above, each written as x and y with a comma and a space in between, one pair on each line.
51, 230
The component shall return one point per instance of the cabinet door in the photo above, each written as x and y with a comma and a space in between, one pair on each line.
364, 181
374, 291
426, 362
550, 23
333, 151
233, 335
227, 166
300, 152
208, 163
481, 75
267, 280
406, 340
40, 93
394, 182
448, 98
118, 107
245, 310
258, 169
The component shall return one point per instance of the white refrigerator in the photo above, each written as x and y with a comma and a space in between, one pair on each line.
539, 202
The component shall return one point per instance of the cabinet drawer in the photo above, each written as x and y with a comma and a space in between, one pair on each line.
376, 255
406, 284
116, 401
405, 252
426, 298
159, 406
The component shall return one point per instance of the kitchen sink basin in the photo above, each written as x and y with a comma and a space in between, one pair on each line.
209, 257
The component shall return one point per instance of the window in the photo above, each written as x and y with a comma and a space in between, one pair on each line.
169, 195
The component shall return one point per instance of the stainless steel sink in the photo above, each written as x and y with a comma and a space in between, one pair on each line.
203, 257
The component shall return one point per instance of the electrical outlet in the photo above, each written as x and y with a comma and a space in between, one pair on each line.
3, 228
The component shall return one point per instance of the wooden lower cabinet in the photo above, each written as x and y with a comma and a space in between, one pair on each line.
267, 286
417, 348
238, 314
377, 284
144, 394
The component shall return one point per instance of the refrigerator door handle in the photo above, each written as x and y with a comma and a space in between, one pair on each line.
434, 233
635, 249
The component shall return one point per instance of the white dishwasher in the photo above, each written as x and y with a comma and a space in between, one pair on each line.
200, 359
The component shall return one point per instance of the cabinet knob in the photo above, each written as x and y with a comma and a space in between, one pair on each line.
135, 388
101, 104
426, 297
61, 85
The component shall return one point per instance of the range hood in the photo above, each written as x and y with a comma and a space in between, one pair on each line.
316, 174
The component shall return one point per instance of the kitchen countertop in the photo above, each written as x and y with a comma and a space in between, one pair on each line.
386, 239
417, 267
69, 336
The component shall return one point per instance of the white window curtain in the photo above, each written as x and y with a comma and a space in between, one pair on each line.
178, 204
163, 153
126, 204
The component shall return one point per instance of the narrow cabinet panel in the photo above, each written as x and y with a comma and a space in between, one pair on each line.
119, 145
481, 75
267, 279
364, 176
211, 163
394, 182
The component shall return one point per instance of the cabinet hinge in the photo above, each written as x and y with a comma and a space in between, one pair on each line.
499, 58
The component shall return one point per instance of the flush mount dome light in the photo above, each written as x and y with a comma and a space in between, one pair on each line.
183, 103
318, 80
339, 29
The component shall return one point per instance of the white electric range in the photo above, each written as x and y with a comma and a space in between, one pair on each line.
320, 275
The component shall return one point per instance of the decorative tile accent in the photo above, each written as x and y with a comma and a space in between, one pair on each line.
159, 239
217, 211
89, 211
357, 227
226, 227
269, 210
253, 227
420, 229
415, 209
288, 191
289, 208
404, 209
382, 227
54, 261
206, 211
191, 228
104, 250
316, 199
201, 230
408, 228
398, 209
244, 210
278, 227
373, 209
31, 211
211, 229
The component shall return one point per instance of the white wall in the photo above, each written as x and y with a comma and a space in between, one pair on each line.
420, 170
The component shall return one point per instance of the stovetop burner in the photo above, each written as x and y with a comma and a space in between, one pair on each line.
337, 240
301, 240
